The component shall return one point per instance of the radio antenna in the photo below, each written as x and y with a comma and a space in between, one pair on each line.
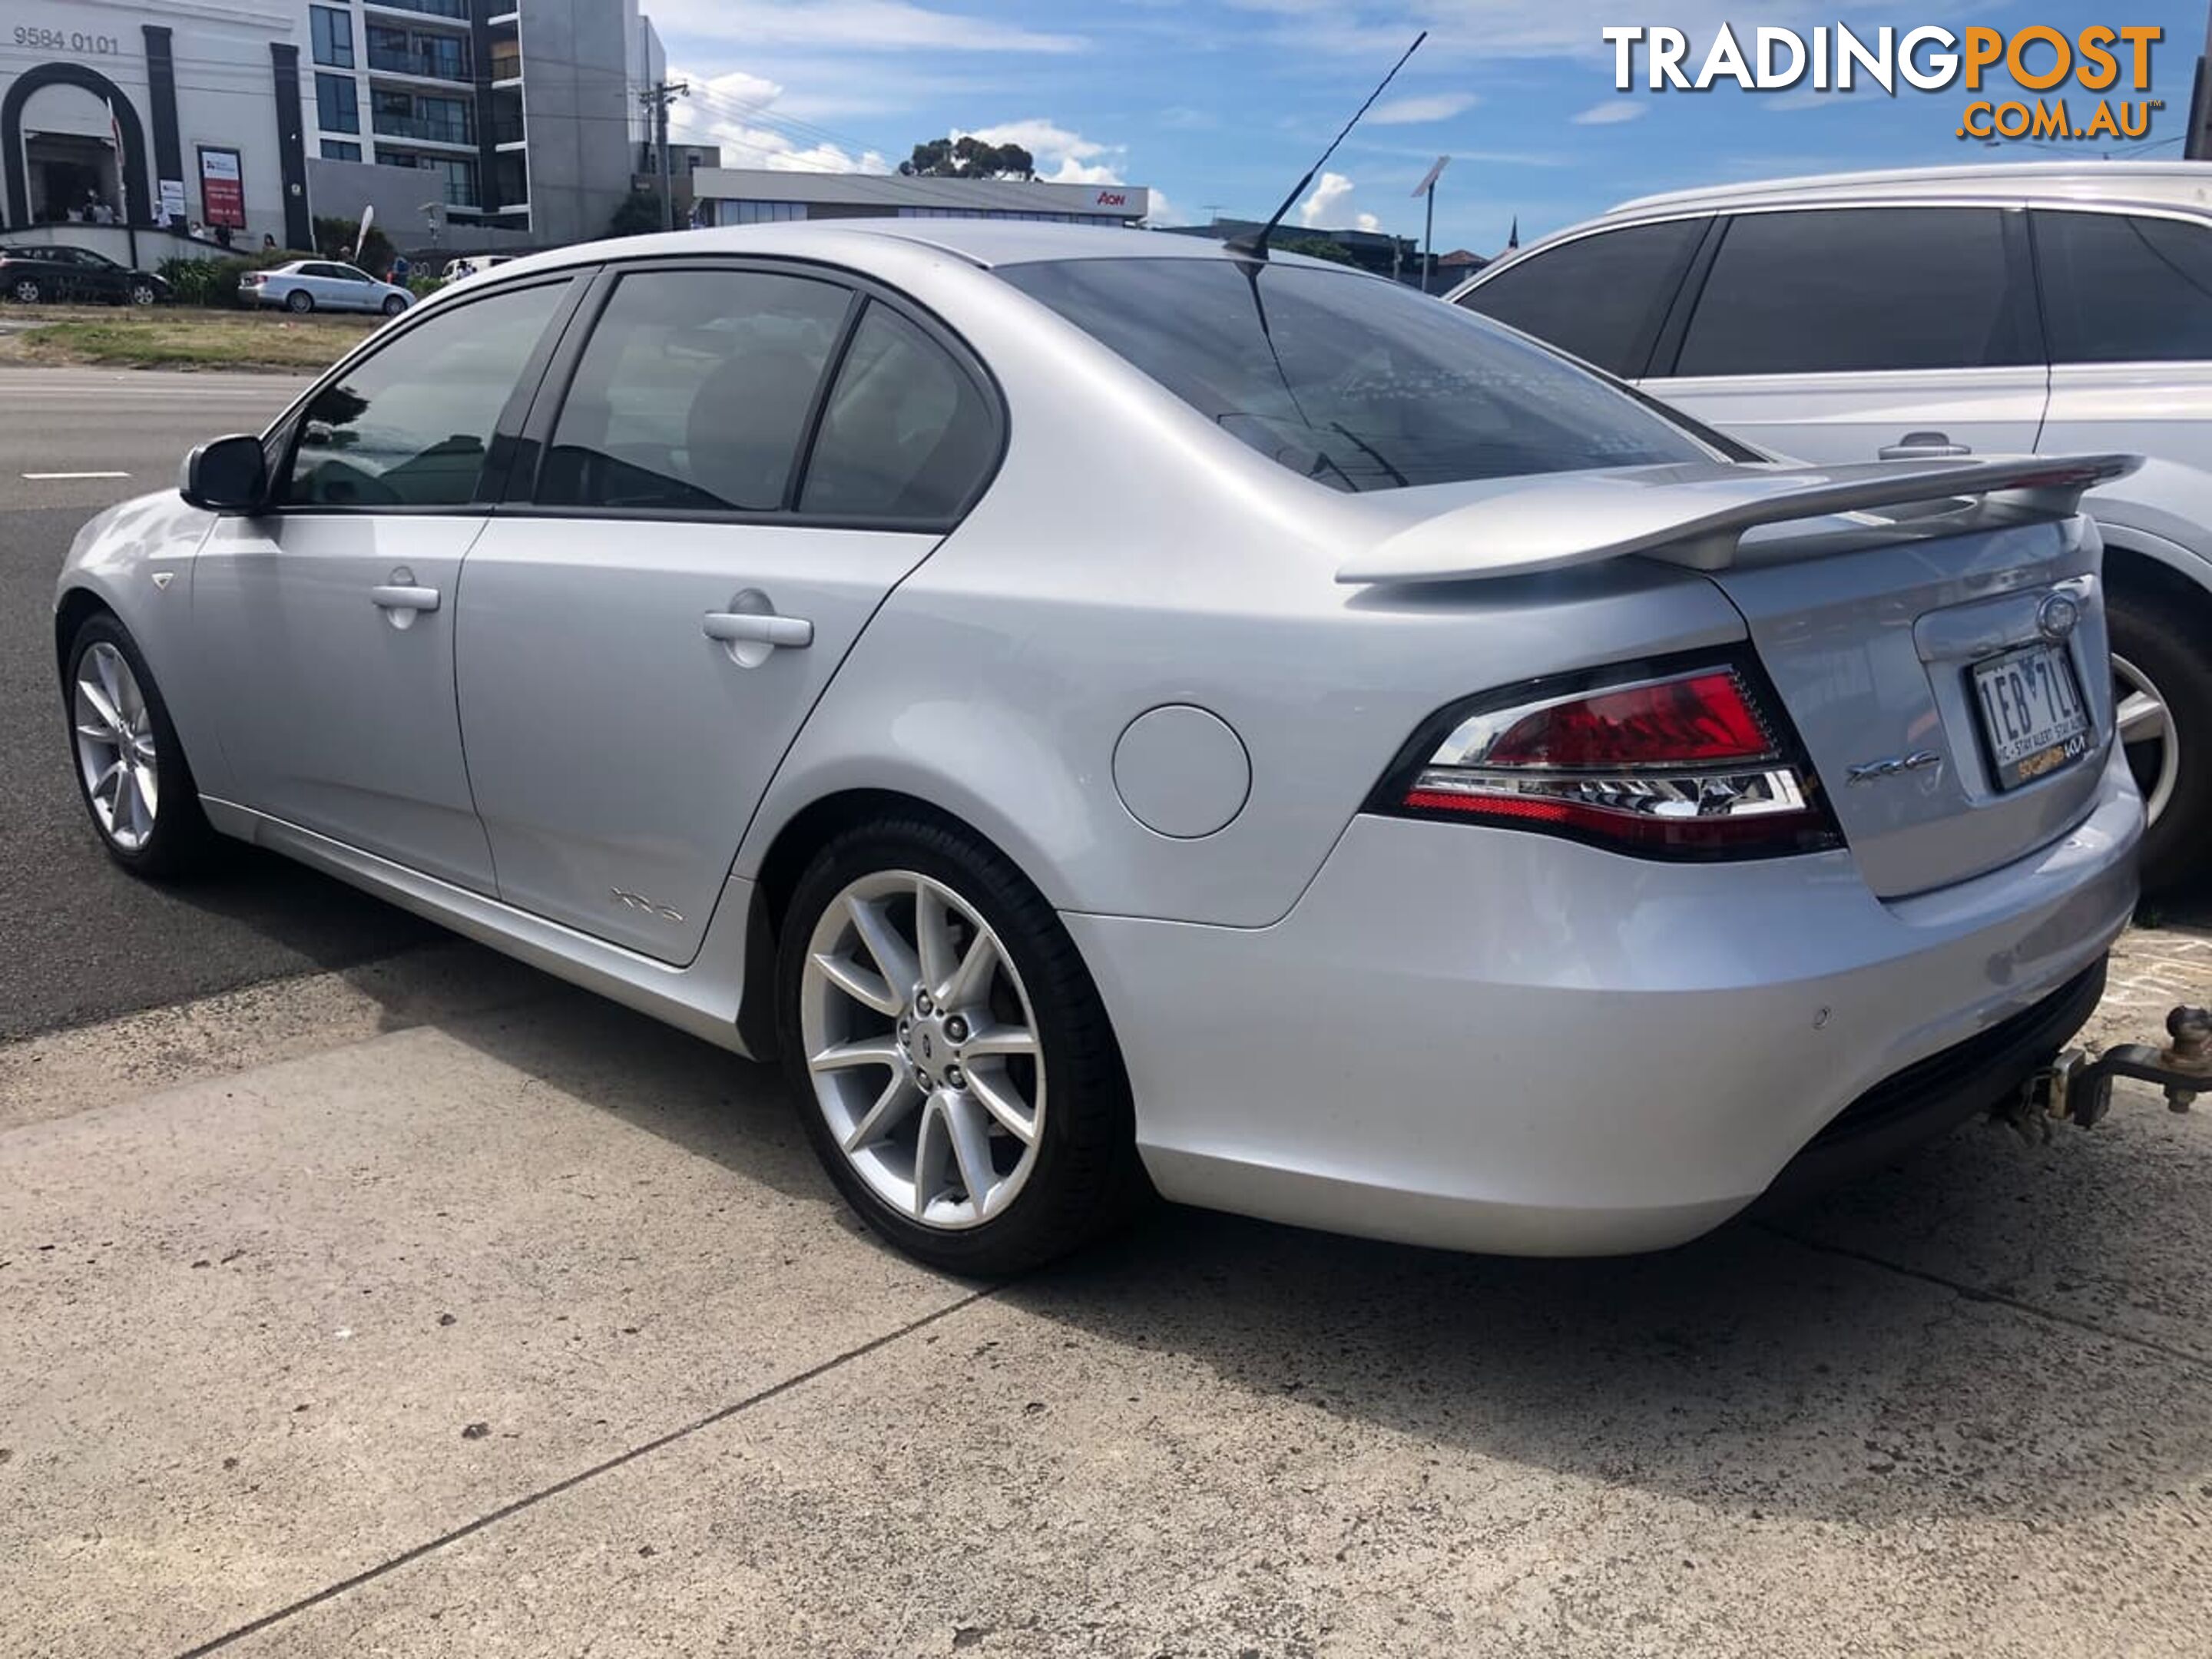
1254, 245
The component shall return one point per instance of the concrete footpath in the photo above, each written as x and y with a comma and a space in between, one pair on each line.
432, 1308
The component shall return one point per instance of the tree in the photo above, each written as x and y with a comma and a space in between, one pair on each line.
639, 215
1319, 247
968, 157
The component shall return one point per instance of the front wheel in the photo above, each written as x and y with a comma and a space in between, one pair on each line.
130, 769
954, 1066
393, 304
24, 291
299, 301
2162, 696
142, 293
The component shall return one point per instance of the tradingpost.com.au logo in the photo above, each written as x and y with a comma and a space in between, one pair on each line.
2101, 59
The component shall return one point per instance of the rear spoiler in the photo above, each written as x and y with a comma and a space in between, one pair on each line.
1695, 515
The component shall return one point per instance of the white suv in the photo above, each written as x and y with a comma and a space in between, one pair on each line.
2045, 308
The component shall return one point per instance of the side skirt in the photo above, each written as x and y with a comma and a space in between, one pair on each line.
701, 998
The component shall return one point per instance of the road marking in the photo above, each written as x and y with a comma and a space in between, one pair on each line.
77, 474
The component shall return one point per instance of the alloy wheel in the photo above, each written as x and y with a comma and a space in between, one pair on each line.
115, 747
142, 293
2146, 728
27, 292
922, 1049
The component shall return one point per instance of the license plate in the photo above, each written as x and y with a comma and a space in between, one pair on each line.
2032, 716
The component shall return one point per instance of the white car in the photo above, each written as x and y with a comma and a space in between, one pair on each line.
472, 264
1108, 709
2008, 309
307, 285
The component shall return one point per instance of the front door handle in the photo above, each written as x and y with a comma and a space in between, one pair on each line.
399, 596
742, 627
1921, 446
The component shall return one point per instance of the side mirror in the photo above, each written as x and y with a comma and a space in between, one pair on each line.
226, 475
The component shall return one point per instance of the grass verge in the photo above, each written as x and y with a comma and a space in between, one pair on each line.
182, 339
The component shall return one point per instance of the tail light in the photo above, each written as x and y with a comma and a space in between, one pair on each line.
1691, 763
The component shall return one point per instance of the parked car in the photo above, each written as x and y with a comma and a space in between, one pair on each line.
1107, 710
306, 285
38, 273
473, 264
1948, 310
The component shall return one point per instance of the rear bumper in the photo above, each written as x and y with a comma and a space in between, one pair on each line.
1469, 1037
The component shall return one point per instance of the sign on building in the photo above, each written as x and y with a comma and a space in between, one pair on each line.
222, 187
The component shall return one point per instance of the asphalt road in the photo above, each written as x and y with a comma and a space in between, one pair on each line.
79, 940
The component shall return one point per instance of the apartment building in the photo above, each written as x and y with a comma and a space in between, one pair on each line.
522, 115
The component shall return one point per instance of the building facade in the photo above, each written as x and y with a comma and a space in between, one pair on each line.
186, 111
523, 115
747, 196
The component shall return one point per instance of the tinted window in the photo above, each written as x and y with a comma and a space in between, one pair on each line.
1353, 381
693, 392
409, 425
2118, 289
906, 435
1858, 288
1599, 296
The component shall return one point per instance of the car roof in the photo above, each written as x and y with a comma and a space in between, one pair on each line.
984, 242
2170, 184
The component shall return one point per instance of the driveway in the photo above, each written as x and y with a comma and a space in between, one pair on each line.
434, 1308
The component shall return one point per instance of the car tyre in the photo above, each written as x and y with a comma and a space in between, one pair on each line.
299, 301
2162, 688
393, 304
25, 291
1077, 1174
114, 707
142, 293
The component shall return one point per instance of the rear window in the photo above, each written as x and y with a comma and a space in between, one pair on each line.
1599, 296
1354, 382
2125, 288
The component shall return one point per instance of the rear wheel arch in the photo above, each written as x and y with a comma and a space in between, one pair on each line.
2158, 613
791, 850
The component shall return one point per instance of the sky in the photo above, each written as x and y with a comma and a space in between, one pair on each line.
1220, 105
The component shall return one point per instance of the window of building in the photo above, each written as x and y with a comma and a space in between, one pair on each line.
409, 425
2125, 287
340, 149
337, 109
693, 392
1859, 289
906, 433
761, 213
1600, 297
332, 33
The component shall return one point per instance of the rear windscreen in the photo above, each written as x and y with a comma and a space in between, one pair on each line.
1353, 381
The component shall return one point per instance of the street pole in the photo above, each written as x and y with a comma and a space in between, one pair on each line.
1429, 241
660, 95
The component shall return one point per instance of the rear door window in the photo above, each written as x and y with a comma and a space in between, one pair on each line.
2124, 287
1848, 289
1599, 296
694, 392
907, 433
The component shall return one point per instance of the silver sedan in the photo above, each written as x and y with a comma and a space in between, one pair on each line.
1115, 714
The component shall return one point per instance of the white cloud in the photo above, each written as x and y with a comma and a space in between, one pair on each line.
735, 111
1367, 222
1410, 112
1328, 196
1613, 113
849, 26
1063, 157
1162, 211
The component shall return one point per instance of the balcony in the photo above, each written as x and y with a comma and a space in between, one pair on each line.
424, 129
429, 65
456, 10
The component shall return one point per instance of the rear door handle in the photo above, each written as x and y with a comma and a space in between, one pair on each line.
1920, 446
397, 596
736, 627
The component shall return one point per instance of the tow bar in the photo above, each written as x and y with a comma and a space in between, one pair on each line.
2079, 1089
